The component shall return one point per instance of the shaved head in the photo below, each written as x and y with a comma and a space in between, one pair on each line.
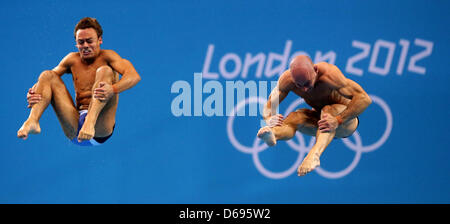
302, 71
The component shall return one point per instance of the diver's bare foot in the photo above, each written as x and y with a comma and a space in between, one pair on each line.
87, 132
267, 135
309, 164
28, 127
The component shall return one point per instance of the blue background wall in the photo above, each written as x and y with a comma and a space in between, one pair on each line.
155, 157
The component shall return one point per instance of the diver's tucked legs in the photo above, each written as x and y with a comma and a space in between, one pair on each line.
323, 139
104, 74
52, 90
303, 120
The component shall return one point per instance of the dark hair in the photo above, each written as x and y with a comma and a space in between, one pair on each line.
88, 22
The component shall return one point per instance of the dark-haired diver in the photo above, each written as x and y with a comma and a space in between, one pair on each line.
95, 74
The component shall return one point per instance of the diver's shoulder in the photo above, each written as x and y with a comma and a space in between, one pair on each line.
109, 55
71, 57
323, 66
107, 52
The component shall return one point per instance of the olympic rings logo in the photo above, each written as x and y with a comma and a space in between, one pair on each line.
259, 146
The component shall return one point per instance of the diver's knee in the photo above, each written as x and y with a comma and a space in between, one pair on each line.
334, 109
104, 71
327, 109
299, 117
47, 75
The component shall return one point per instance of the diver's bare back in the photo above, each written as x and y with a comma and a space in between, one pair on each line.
83, 75
324, 91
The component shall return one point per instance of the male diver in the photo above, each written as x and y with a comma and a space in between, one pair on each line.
336, 102
95, 74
